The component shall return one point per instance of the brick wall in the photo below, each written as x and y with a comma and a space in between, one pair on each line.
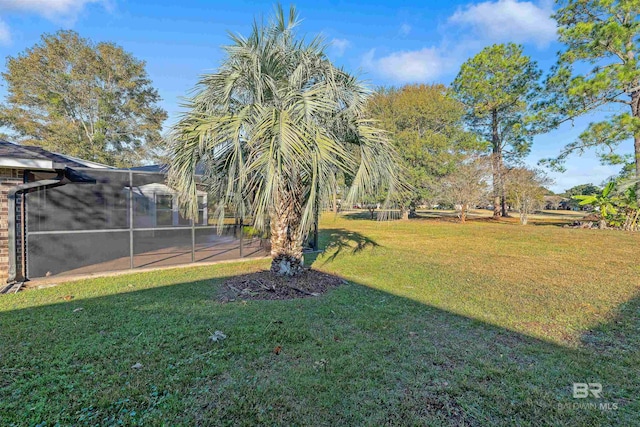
9, 178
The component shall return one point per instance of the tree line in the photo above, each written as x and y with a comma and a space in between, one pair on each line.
501, 99
96, 101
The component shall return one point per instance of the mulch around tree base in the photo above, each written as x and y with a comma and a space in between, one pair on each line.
264, 285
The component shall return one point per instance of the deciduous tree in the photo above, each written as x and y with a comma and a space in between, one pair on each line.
582, 189
85, 99
587, 189
466, 186
525, 189
427, 129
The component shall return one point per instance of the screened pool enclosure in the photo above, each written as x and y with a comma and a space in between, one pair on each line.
117, 220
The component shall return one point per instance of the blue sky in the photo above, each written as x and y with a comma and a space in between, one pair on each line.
386, 43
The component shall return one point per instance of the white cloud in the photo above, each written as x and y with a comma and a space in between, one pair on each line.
50, 9
509, 20
405, 29
422, 65
338, 45
66, 11
469, 29
5, 34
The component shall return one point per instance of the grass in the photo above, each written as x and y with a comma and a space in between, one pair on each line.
442, 324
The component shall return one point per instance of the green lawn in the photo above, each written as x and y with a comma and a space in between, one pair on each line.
442, 324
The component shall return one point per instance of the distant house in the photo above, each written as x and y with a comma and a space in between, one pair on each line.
555, 202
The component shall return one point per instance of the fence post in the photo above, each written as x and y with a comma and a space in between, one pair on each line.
315, 221
131, 220
193, 240
241, 237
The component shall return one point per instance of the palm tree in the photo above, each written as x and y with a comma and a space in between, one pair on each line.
271, 127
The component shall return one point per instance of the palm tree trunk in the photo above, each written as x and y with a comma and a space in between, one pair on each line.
286, 240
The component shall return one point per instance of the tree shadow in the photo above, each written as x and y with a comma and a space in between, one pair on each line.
365, 214
338, 241
359, 215
562, 213
353, 356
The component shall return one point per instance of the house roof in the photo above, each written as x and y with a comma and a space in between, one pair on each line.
32, 157
163, 168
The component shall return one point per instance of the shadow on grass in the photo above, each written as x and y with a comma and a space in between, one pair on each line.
360, 214
562, 213
355, 356
512, 219
338, 241
428, 215
620, 334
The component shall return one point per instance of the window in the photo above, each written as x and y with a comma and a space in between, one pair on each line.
142, 205
164, 210
119, 212
202, 210
164, 201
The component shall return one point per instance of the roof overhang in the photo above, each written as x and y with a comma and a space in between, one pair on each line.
8, 162
17, 163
